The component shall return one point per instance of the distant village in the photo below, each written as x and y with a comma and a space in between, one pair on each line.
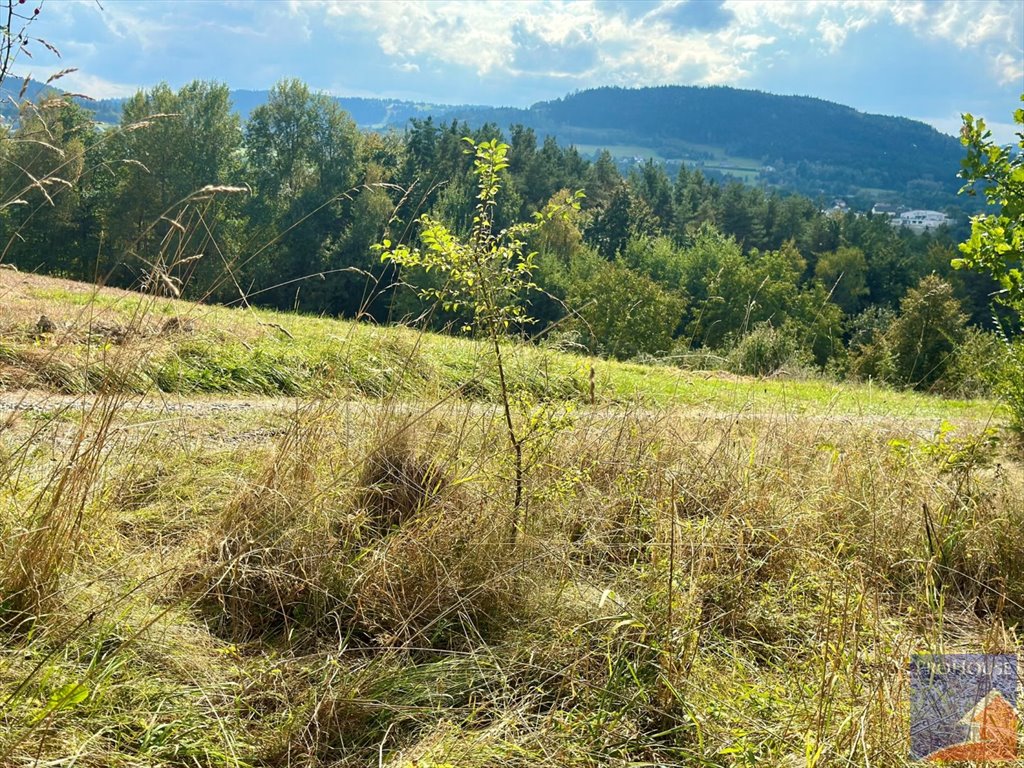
917, 221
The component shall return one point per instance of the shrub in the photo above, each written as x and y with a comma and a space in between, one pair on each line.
918, 346
929, 328
1010, 382
976, 366
625, 312
767, 350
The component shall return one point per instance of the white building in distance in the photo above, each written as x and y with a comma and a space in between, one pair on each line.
921, 221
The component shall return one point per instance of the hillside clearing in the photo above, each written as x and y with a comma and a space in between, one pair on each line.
189, 349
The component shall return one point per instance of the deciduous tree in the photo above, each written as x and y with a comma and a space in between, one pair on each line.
996, 244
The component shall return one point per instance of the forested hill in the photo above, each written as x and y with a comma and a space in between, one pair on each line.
796, 143
800, 143
774, 129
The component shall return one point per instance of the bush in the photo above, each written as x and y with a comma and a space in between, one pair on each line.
767, 350
976, 366
624, 311
929, 328
919, 347
869, 357
1010, 382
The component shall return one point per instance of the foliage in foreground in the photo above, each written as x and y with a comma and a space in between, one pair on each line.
486, 275
339, 582
996, 244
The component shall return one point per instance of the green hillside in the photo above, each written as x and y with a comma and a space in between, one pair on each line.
110, 340
803, 144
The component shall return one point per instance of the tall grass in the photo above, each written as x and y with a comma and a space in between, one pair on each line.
345, 590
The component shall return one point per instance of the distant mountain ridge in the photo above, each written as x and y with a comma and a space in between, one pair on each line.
16, 89
798, 143
369, 113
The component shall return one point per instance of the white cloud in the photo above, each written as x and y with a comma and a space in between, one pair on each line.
473, 35
131, 24
909, 13
502, 48
834, 32
963, 22
607, 46
971, 24
1009, 68
94, 86
482, 37
993, 27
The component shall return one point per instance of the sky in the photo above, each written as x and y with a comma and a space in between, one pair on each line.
926, 59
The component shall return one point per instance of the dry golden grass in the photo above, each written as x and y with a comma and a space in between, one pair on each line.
331, 585
705, 570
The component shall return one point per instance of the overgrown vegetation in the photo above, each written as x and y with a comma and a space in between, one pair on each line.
706, 569
484, 276
334, 584
996, 244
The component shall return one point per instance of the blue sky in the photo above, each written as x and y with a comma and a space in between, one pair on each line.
926, 59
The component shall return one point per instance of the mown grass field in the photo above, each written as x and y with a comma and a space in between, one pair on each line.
244, 538
127, 342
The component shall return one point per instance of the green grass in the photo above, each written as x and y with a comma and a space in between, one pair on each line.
620, 150
744, 168
258, 352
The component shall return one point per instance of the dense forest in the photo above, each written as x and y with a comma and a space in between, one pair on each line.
687, 268
791, 143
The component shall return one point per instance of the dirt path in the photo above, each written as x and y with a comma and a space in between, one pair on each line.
209, 406
36, 401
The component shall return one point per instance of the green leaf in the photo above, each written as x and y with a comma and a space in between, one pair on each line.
66, 697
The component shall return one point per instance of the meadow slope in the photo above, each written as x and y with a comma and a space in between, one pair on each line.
116, 340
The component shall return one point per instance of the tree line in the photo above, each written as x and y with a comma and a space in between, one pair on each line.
296, 197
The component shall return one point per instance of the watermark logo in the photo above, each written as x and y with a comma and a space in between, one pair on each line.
963, 707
